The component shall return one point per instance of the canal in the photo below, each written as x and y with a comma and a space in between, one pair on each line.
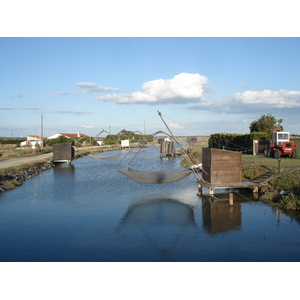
89, 212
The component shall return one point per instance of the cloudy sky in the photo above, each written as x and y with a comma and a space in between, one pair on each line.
201, 85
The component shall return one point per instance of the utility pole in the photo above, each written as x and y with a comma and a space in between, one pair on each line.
42, 132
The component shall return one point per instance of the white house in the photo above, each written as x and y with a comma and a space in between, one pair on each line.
68, 135
32, 140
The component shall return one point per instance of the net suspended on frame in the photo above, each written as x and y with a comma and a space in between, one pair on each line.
136, 150
155, 177
107, 157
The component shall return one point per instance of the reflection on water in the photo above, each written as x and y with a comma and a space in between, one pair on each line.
219, 217
160, 222
65, 170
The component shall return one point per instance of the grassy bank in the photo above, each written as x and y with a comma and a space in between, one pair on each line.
283, 188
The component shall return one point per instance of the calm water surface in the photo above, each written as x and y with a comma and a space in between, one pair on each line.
87, 211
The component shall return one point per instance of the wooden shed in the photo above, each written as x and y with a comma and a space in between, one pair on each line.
167, 148
63, 152
221, 166
191, 139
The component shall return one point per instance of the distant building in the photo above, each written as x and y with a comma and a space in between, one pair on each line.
68, 135
191, 139
32, 140
125, 144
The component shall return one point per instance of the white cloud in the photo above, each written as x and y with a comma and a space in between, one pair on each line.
278, 99
23, 108
247, 86
88, 124
17, 96
86, 88
176, 125
254, 101
59, 94
76, 112
91, 88
182, 88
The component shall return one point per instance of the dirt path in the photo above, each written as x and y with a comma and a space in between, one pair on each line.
16, 162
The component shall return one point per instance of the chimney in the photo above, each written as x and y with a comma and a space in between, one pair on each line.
78, 134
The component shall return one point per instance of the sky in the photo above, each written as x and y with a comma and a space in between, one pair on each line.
201, 85
211, 69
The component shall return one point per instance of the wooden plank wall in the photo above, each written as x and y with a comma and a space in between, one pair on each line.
221, 166
167, 148
63, 152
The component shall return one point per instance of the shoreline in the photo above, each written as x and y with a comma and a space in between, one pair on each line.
19, 170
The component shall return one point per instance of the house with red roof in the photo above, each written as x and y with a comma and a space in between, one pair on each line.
68, 135
33, 140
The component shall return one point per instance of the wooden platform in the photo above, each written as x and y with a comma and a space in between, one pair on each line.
254, 184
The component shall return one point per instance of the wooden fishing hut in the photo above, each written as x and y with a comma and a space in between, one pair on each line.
166, 147
191, 139
63, 153
220, 169
221, 166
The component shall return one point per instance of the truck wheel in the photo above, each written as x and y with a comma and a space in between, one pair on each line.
294, 153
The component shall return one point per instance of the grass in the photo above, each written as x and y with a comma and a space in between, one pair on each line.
26, 152
286, 177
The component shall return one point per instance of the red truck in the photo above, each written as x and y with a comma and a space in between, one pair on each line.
281, 144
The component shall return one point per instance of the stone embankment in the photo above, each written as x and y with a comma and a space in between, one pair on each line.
13, 178
10, 179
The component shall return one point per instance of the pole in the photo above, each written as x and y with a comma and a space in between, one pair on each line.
182, 149
42, 133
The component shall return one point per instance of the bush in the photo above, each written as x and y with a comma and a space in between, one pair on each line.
290, 202
235, 142
59, 140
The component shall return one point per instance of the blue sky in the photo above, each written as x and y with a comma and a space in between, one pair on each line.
201, 85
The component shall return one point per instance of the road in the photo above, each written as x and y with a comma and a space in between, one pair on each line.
16, 162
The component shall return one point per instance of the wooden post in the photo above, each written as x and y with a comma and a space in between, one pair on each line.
230, 199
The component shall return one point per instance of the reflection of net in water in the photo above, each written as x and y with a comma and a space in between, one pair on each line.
155, 177
160, 223
107, 157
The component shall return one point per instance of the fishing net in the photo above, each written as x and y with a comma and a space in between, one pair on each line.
155, 177
136, 150
107, 157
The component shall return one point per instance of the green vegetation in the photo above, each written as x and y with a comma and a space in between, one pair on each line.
235, 142
283, 188
265, 124
59, 140
112, 139
26, 152
13, 142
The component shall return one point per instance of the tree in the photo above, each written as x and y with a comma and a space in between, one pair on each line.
126, 132
59, 140
265, 124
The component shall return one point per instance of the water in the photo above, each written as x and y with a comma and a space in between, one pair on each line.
89, 212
